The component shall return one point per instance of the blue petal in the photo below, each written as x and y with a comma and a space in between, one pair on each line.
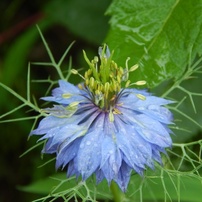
156, 153
71, 169
65, 87
89, 153
66, 154
73, 92
130, 99
151, 106
130, 154
111, 159
99, 176
49, 123
123, 177
50, 147
67, 135
88, 159
137, 152
159, 113
151, 130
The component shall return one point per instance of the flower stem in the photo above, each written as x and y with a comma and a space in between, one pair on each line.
116, 192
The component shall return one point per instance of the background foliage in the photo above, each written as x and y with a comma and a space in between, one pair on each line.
164, 37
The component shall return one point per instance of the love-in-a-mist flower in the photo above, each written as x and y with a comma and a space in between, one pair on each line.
103, 126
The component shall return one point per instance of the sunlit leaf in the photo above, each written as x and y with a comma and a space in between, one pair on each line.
158, 35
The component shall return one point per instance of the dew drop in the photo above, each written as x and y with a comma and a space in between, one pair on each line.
81, 145
88, 143
110, 151
115, 168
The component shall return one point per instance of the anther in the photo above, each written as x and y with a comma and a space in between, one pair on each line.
141, 97
134, 67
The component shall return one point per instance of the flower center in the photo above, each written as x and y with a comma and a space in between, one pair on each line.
104, 80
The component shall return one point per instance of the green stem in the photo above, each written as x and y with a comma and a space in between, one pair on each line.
116, 192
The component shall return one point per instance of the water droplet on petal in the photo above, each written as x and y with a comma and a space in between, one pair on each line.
81, 145
88, 143
115, 168
110, 151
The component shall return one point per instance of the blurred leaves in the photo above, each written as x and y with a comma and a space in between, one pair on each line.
15, 58
85, 20
158, 35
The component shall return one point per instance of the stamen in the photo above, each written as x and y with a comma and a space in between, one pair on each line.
133, 68
138, 83
116, 111
66, 95
141, 97
74, 71
111, 115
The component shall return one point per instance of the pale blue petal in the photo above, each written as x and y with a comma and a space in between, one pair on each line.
67, 153
66, 88
137, 152
72, 169
99, 176
49, 123
123, 177
111, 159
89, 154
151, 130
154, 132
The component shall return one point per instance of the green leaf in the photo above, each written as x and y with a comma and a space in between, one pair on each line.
158, 35
84, 19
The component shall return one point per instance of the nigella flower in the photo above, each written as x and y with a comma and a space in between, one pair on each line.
103, 126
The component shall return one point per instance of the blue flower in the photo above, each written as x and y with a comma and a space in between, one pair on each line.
103, 126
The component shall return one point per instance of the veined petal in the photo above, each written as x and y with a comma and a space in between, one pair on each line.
151, 107
99, 176
67, 153
89, 152
49, 123
123, 176
111, 159
65, 94
154, 132
137, 152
